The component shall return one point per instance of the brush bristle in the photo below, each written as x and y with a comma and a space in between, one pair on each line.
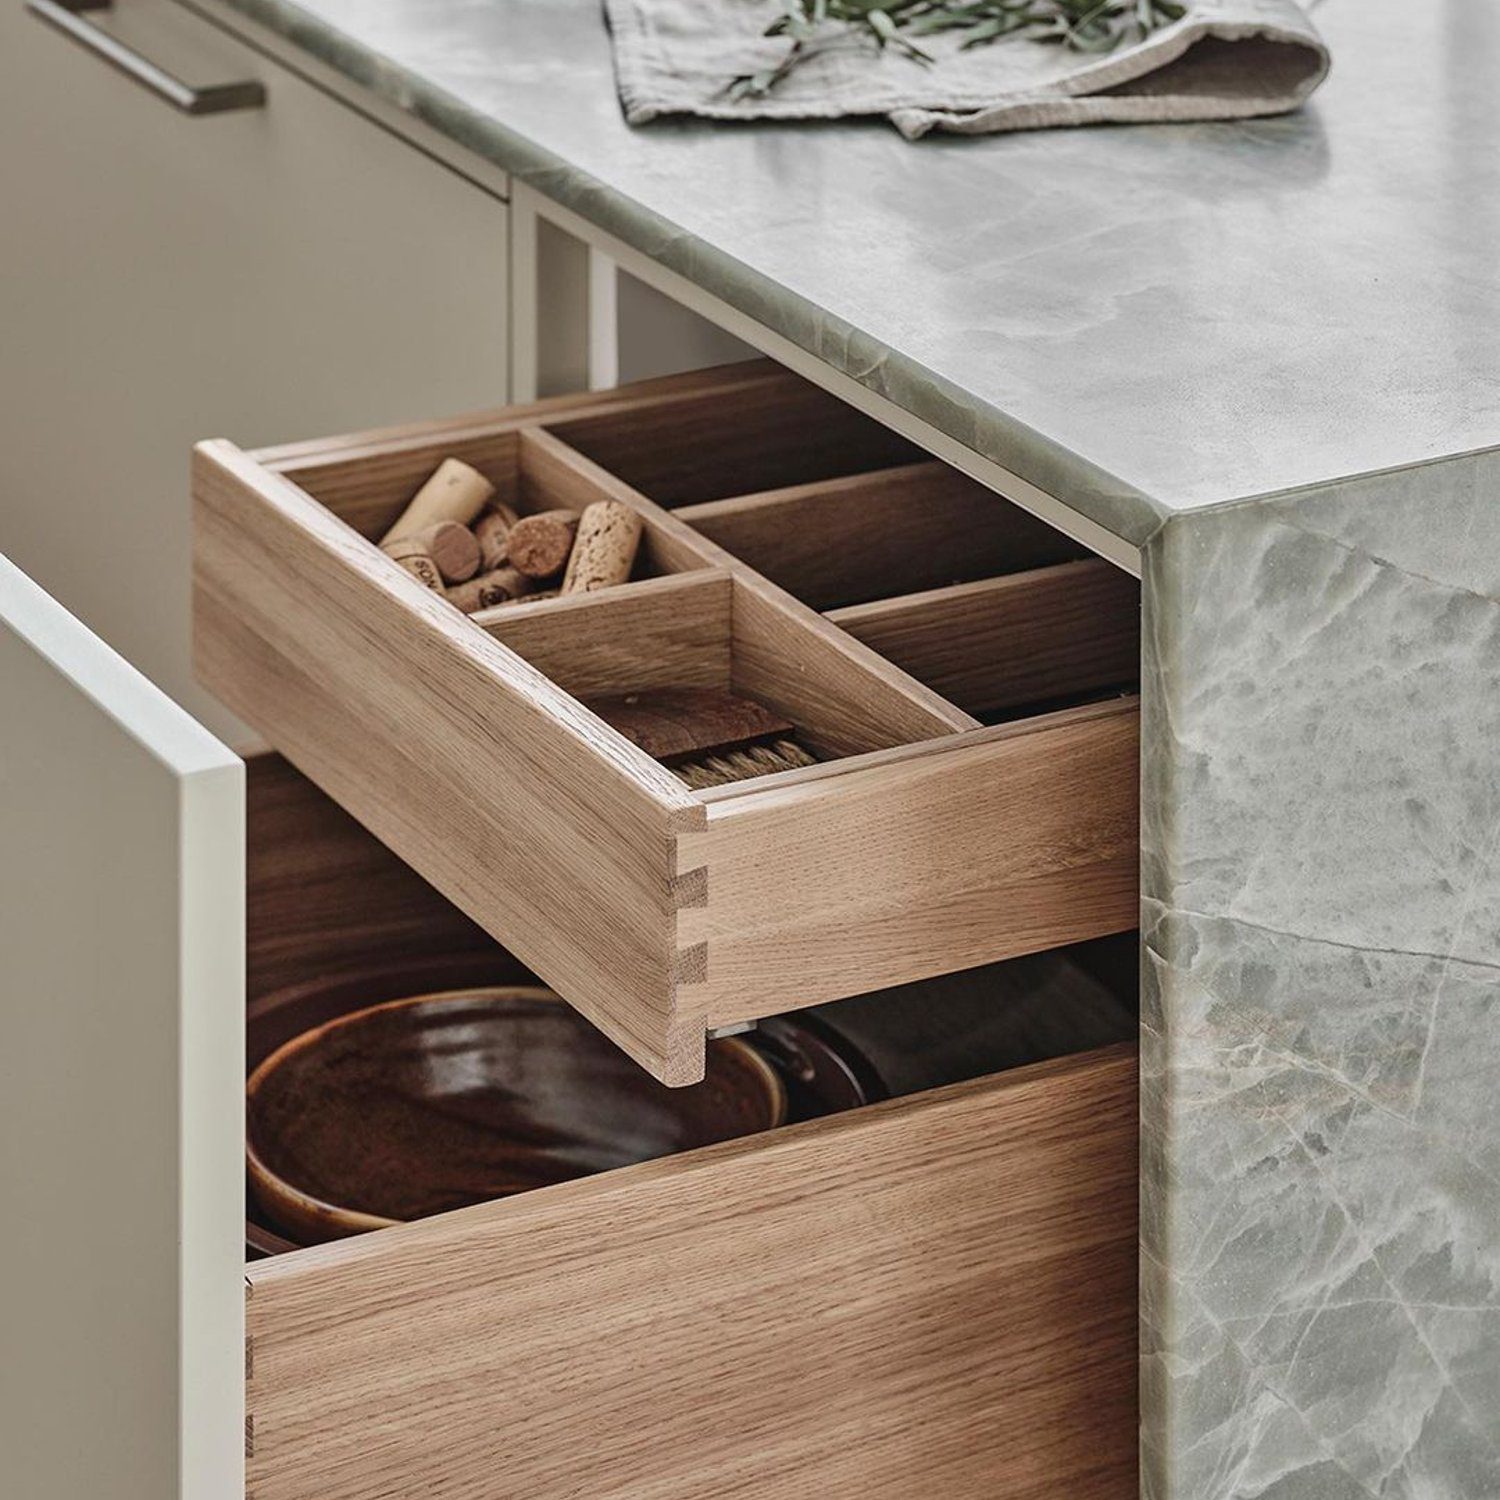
741, 765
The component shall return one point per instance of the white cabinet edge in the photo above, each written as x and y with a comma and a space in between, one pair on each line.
137, 705
190, 1030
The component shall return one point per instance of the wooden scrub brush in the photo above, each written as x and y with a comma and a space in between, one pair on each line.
709, 738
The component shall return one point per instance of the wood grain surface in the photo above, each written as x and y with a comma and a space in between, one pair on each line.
1018, 639
868, 536
753, 426
933, 1297
661, 632
530, 814
851, 877
323, 894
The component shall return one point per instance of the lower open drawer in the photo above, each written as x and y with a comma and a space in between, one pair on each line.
930, 1296
962, 675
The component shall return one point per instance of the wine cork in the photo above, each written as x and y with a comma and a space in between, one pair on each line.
540, 544
453, 547
492, 530
455, 492
416, 559
497, 587
604, 552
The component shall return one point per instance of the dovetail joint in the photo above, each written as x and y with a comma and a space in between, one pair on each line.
690, 889
690, 964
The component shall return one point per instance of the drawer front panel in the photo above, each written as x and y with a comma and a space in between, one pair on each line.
1019, 839
930, 1297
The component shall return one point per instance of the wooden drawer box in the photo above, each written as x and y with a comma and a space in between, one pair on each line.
926, 841
931, 1296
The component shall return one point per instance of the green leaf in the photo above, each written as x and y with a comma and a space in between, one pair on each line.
1089, 26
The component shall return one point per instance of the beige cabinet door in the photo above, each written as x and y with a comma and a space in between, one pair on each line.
262, 275
121, 1051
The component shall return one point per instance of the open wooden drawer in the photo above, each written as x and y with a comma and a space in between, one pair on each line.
931, 1296
928, 840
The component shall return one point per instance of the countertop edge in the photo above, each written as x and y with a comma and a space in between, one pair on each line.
1120, 508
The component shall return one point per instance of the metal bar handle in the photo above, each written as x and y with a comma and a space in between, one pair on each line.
69, 17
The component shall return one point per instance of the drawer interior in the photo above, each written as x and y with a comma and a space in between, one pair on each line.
878, 533
933, 1294
963, 676
735, 431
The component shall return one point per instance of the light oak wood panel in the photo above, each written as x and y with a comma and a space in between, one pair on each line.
1023, 638
541, 823
819, 676
772, 429
934, 1297
322, 894
845, 704
367, 477
661, 632
846, 878
868, 536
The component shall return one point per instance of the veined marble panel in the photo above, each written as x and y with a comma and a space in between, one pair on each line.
1321, 998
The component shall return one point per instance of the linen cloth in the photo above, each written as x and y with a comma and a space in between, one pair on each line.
1225, 59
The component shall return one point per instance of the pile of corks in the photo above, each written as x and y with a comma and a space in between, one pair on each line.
462, 542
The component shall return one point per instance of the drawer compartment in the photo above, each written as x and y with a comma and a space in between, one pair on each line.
929, 1296
925, 841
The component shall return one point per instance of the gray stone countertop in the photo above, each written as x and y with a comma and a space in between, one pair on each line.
1140, 320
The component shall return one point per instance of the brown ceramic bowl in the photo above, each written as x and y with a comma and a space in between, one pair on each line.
820, 1074
419, 1106
261, 1241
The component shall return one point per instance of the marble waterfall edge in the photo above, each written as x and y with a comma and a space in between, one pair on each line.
1321, 998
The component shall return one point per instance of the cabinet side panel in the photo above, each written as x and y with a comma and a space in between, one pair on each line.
121, 974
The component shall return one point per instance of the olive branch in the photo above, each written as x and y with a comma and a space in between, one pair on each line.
1081, 25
